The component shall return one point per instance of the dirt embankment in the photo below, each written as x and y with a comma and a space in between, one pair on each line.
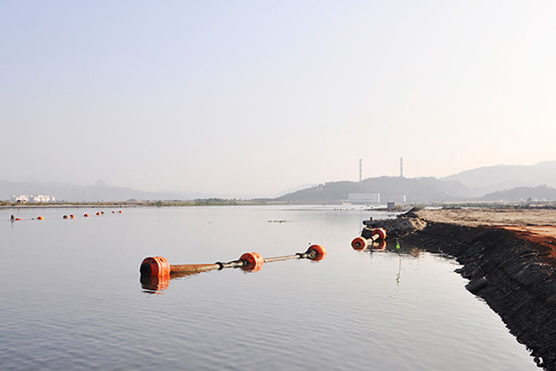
509, 256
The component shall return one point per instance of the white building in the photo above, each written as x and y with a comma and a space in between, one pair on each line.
364, 198
21, 199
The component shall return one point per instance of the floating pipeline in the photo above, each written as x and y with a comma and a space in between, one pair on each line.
368, 238
159, 266
156, 272
512, 272
375, 245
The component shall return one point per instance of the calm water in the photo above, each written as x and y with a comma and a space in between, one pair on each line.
71, 296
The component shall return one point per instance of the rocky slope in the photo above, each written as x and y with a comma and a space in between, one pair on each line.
508, 265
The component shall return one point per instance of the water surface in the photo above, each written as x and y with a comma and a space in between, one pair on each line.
72, 298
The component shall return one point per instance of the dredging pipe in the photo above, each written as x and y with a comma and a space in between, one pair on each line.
251, 261
361, 243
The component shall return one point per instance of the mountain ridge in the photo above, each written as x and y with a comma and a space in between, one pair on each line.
397, 189
473, 184
488, 179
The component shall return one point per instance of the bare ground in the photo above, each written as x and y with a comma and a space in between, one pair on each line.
535, 225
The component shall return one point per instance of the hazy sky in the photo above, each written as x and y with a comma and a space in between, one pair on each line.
255, 97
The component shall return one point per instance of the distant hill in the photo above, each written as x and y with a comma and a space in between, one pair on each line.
485, 183
390, 189
495, 178
76, 193
523, 194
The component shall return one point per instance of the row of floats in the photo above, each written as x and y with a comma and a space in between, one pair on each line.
86, 215
66, 216
156, 271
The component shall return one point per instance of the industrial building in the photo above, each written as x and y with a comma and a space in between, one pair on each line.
364, 198
22, 199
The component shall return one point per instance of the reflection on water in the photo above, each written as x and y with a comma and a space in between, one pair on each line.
399, 274
383, 308
393, 247
152, 284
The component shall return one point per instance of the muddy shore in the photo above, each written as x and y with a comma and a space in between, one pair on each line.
509, 257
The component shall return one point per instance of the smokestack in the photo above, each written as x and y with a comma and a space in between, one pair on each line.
401, 167
360, 169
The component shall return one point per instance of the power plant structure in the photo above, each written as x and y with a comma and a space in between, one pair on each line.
361, 168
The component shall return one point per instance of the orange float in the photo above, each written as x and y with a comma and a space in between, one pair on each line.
359, 243
72, 216
362, 242
155, 266
86, 215
316, 252
381, 232
253, 261
40, 218
65, 217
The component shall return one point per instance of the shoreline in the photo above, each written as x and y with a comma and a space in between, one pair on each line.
509, 258
201, 202
65, 206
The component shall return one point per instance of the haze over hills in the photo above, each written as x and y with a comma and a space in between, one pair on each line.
522, 194
390, 189
536, 182
101, 191
496, 178
485, 183
76, 193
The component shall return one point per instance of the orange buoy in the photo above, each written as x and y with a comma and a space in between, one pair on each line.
98, 212
72, 216
40, 218
319, 252
369, 238
120, 212
155, 266
17, 219
86, 215
253, 261
381, 232
65, 217
359, 243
